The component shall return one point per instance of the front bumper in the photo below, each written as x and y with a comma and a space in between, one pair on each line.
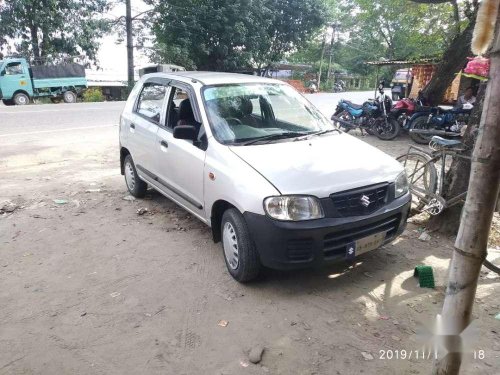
292, 245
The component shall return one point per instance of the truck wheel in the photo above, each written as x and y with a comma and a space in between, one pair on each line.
21, 99
8, 102
240, 254
135, 185
69, 97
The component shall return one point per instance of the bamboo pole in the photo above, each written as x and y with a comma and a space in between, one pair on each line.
471, 243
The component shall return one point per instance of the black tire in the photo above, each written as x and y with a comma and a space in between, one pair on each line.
21, 99
248, 265
386, 131
424, 179
491, 267
69, 97
420, 123
135, 185
8, 102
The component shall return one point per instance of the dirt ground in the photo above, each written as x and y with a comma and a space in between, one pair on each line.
89, 286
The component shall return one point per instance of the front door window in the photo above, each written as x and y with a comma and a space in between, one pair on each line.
13, 69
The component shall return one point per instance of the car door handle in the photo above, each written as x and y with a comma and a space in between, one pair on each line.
163, 145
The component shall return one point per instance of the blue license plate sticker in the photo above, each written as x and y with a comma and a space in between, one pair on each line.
350, 252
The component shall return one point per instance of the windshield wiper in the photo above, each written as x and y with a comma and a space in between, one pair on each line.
326, 131
272, 137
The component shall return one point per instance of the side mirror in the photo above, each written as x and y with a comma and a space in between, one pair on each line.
188, 132
2, 73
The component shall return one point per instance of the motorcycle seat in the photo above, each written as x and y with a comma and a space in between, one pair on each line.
352, 105
445, 142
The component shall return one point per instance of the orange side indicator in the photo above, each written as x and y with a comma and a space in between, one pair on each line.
211, 176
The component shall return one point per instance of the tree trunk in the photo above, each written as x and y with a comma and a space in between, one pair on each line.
34, 42
457, 178
130, 45
472, 239
453, 61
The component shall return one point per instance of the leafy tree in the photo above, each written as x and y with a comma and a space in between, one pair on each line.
389, 29
53, 28
228, 35
455, 55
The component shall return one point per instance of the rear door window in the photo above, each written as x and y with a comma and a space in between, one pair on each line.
150, 101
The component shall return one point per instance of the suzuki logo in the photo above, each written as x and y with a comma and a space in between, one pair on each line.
365, 200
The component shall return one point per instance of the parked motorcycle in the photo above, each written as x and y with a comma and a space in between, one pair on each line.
439, 121
339, 86
405, 108
372, 116
313, 87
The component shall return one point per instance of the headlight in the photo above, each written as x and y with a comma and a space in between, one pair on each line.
293, 208
401, 184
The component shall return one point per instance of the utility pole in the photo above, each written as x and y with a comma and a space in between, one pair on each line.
472, 239
321, 61
334, 31
130, 45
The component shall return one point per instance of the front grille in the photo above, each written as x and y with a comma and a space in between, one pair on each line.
299, 250
334, 244
350, 203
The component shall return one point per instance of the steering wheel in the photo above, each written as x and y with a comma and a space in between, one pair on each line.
233, 121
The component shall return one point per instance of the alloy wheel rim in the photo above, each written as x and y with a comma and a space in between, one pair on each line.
129, 176
230, 242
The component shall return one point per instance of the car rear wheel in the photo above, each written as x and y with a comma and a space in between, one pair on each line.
240, 254
21, 99
135, 185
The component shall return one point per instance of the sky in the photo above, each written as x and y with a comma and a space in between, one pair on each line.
113, 56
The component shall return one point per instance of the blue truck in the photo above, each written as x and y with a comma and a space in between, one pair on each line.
20, 82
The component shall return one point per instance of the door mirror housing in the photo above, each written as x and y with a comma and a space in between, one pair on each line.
2, 73
188, 132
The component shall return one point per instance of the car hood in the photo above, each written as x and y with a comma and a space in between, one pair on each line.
321, 165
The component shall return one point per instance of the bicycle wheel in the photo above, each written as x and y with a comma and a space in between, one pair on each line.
492, 261
422, 176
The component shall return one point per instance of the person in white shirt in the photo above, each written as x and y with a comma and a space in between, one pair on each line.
467, 97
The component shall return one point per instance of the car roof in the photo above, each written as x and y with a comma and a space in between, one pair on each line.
213, 78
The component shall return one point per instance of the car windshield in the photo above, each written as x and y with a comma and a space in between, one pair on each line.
251, 113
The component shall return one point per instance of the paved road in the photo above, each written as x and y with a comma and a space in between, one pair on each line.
33, 119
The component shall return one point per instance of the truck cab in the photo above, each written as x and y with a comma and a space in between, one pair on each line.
15, 82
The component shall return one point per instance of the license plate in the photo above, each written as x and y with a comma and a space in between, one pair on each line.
365, 244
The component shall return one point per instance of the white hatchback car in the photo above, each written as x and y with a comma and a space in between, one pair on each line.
252, 158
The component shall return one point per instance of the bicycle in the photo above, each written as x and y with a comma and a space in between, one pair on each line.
426, 185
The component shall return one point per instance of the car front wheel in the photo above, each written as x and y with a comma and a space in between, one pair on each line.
135, 185
240, 254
